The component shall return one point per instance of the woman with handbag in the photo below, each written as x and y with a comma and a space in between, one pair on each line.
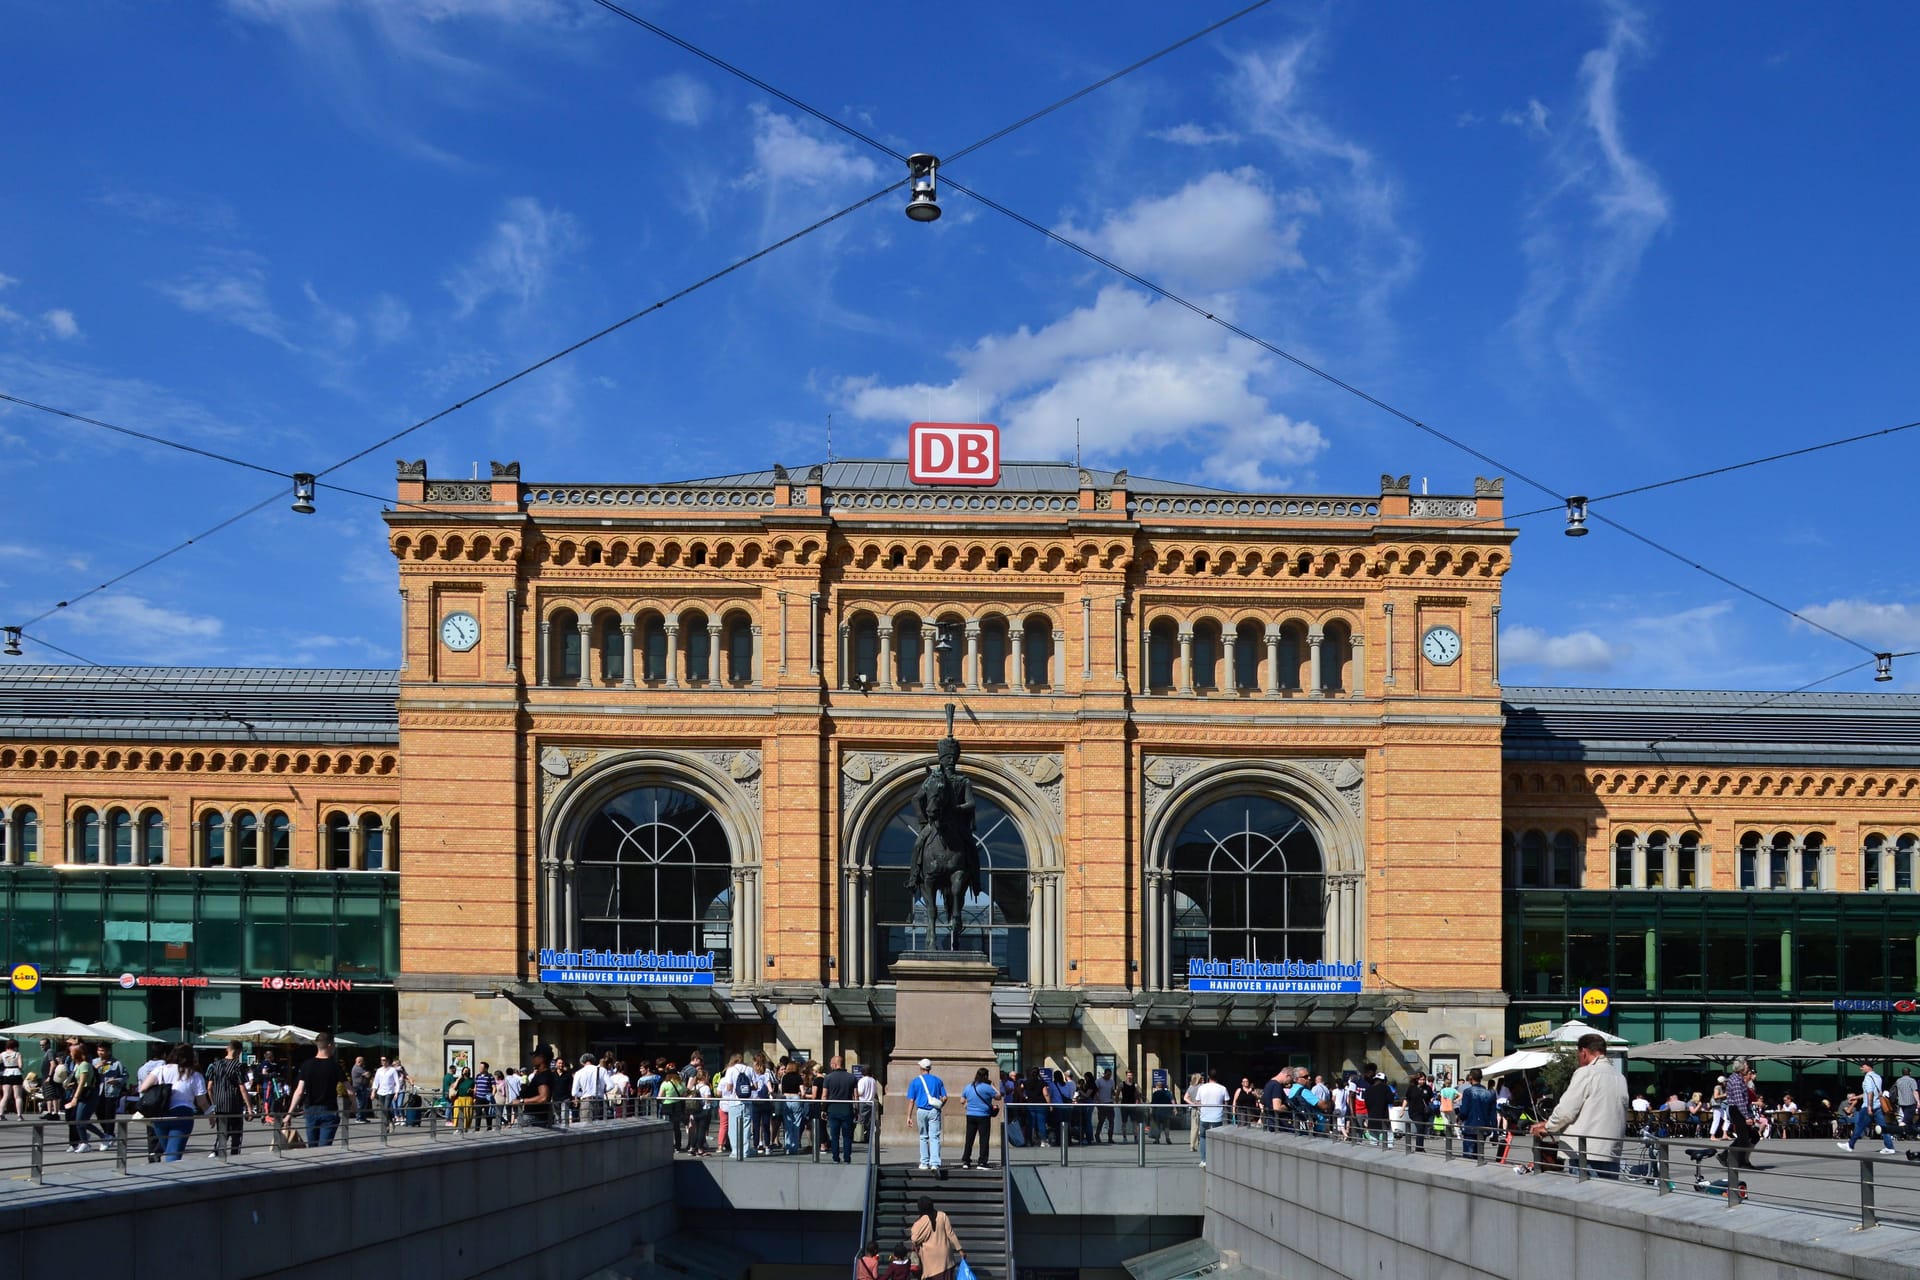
172, 1113
934, 1241
983, 1103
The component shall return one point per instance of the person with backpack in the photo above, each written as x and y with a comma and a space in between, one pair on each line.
113, 1089
83, 1091
673, 1105
229, 1099
186, 1096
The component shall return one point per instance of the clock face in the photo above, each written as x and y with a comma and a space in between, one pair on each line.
1441, 645
460, 631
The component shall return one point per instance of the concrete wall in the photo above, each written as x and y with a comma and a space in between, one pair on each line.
1312, 1211
529, 1206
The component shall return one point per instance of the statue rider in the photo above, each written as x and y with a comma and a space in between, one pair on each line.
946, 861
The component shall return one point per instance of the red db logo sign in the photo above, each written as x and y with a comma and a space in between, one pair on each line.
953, 453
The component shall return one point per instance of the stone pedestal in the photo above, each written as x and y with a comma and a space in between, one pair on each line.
943, 1010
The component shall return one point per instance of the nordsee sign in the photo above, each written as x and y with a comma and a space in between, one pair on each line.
628, 968
1274, 977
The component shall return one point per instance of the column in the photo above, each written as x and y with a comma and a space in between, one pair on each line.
929, 660
885, 661
1017, 642
1150, 961
1184, 676
1086, 640
1059, 680
972, 673
673, 651
513, 629
1316, 682
1496, 646
1273, 659
403, 629
586, 651
627, 628
569, 915
842, 665
1119, 642
356, 845
550, 867
1386, 662
1357, 685
196, 847
757, 663
716, 670
813, 633
543, 660
1638, 865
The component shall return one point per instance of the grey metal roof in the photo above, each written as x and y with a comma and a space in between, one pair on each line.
1712, 726
1015, 477
199, 704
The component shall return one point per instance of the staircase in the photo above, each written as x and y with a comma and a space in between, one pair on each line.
975, 1200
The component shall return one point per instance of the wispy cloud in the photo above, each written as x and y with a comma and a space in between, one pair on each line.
786, 152
1532, 119
1196, 135
61, 324
1890, 625
232, 288
681, 99
1219, 230
143, 631
1571, 651
1586, 237
207, 215
519, 257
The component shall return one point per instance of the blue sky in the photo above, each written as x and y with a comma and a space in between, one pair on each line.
1607, 245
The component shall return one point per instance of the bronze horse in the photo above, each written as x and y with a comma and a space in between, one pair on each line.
946, 861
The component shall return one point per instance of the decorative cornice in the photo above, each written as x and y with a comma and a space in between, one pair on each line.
1752, 783
210, 760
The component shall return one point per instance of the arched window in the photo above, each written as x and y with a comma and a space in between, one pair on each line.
612, 643
999, 911
1752, 873
1336, 656
740, 649
1036, 652
1293, 654
563, 630
1163, 644
26, 825
153, 838
246, 840
1657, 860
993, 652
1248, 883
1903, 853
1206, 655
655, 873
1533, 860
698, 643
950, 651
1813, 851
279, 840
1623, 860
213, 840
373, 841
1687, 872
653, 645
119, 837
907, 650
86, 837
863, 652
1872, 849
1778, 870
1249, 649
339, 842
1564, 870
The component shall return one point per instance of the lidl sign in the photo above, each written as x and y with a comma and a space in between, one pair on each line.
1594, 1001
26, 978
953, 453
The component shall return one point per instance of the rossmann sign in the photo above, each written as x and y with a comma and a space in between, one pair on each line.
953, 453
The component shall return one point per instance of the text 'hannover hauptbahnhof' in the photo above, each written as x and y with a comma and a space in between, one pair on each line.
1248, 788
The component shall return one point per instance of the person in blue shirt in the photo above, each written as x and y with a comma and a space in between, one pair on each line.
927, 1095
981, 1099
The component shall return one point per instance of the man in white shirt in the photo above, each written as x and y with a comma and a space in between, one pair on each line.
618, 1087
386, 1085
590, 1088
866, 1097
1210, 1099
1868, 1112
1594, 1107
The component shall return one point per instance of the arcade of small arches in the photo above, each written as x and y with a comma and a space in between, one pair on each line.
1681, 859
1204, 653
691, 646
1723, 782
138, 835
947, 647
70, 759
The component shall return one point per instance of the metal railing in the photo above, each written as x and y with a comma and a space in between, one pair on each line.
1045, 1133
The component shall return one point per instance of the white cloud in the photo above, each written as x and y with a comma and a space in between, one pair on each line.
1532, 120
785, 153
526, 245
139, 622
389, 318
681, 99
61, 323
1195, 135
234, 290
1574, 651
205, 214
1218, 231
1135, 372
1579, 265
1893, 627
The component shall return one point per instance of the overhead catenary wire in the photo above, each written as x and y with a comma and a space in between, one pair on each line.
125, 674
1772, 698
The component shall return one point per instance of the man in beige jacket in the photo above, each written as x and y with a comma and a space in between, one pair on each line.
1594, 1107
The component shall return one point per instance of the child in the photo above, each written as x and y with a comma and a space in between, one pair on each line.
869, 1266
899, 1264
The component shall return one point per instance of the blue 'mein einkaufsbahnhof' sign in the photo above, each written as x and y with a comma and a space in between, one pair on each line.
628, 968
1274, 977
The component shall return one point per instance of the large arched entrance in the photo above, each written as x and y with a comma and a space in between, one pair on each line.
653, 870
997, 914
1247, 882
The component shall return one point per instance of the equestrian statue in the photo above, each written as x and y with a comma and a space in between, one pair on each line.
946, 861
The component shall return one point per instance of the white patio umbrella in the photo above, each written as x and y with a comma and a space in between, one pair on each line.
1521, 1060
54, 1028
113, 1031
260, 1031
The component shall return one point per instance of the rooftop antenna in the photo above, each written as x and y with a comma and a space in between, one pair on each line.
476, 471
1076, 444
829, 437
